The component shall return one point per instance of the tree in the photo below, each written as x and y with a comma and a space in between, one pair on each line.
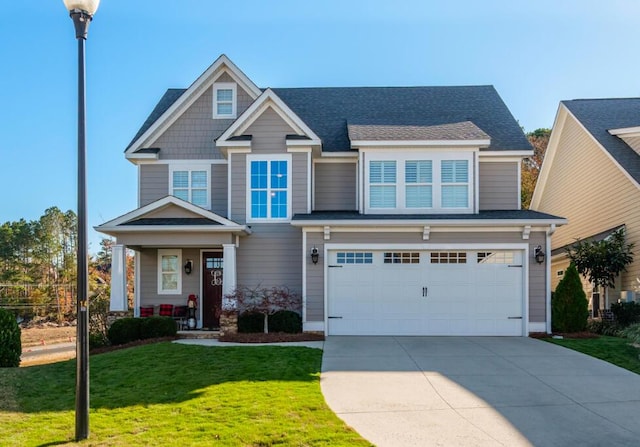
602, 261
539, 139
569, 307
264, 301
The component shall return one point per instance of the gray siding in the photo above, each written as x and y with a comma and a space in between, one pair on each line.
335, 186
192, 135
269, 133
315, 278
219, 189
238, 187
499, 186
154, 182
299, 173
271, 257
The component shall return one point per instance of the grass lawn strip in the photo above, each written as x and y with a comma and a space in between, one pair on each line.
611, 349
173, 394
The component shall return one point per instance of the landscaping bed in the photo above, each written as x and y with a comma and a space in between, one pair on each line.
271, 337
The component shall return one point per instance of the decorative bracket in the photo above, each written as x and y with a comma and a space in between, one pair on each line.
426, 233
526, 231
327, 233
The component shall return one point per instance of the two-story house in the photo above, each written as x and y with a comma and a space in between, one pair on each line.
391, 210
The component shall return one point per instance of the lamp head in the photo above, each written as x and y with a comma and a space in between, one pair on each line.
539, 255
314, 255
88, 6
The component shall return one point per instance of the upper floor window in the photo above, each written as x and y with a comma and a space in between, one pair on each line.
429, 182
269, 187
190, 183
224, 100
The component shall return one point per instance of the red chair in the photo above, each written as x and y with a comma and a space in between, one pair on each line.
166, 310
146, 311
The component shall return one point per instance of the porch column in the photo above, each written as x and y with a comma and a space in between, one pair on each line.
229, 272
118, 279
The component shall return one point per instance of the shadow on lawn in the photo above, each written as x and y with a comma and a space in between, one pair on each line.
162, 373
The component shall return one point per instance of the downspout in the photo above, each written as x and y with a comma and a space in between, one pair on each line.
550, 232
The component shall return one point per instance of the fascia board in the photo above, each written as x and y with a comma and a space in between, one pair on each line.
626, 131
171, 228
489, 223
520, 154
404, 143
188, 97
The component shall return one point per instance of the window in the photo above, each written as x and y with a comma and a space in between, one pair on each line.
418, 177
418, 182
191, 184
354, 258
449, 258
401, 258
455, 183
224, 100
382, 181
498, 257
269, 188
169, 272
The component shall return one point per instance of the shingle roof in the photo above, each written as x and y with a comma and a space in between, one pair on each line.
328, 111
600, 115
518, 215
172, 221
456, 131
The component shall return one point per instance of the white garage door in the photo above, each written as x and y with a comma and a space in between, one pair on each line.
425, 292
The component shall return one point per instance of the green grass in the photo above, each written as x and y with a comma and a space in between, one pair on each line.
611, 349
169, 394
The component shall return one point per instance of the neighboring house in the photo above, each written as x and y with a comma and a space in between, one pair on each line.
591, 175
410, 197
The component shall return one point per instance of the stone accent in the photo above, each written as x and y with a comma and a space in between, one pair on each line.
113, 316
228, 323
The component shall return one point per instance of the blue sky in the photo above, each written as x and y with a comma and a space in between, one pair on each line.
535, 53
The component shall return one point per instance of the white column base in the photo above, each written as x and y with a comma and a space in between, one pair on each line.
118, 302
229, 277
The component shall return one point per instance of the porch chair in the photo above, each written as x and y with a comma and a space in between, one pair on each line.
180, 316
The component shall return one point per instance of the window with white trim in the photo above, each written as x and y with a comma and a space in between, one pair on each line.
401, 258
169, 272
350, 257
418, 182
454, 257
269, 187
190, 183
224, 100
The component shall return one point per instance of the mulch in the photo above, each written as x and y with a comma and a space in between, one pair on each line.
271, 337
582, 335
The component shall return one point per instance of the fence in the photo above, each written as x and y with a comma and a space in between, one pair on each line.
27, 301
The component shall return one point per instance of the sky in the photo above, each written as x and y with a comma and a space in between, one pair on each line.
535, 53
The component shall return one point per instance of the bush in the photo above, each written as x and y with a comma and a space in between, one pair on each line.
124, 330
569, 307
604, 327
285, 321
97, 340
157, 327
10, 345
626, 313
632, 333
249, 322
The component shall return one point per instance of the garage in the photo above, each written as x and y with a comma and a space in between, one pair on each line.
417, 292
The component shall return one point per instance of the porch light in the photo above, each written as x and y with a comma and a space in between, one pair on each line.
314, 255
188, 266
539, 254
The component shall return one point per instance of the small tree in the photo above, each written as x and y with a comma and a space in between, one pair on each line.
602, 261
264, 301
569, 307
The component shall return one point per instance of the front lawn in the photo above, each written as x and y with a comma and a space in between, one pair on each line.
169, 394
611, 349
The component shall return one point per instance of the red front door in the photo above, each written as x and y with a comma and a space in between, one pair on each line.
212, 264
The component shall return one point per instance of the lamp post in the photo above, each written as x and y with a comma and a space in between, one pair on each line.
82, 12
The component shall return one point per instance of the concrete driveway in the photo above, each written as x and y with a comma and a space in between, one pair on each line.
478, 391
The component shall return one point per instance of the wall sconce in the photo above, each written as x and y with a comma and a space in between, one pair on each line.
314, 255
188, 266
539, 254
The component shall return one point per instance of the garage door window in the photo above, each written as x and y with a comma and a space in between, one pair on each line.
354, 258
499, 257
401, 258
453, 257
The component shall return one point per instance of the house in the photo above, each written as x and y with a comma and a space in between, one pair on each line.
591, 175
391, 210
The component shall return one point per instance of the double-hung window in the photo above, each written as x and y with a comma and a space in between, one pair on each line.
169, 272
418, 180
224, 100
455, 183
269, 187
190, 183
382, 184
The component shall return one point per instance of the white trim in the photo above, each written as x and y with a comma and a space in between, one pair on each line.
350, 154
192, 161
506, 154
141, 157
626, 131
221, 65
313, 326
488, 225
229, 171
138, 181
432, 247
499, 159
476, 183
519, 197
136, 281
118, 295
538, 327
309, 182
169, 252
269, 158
336, 160
548, 278
234, 99
304, 276
422, 143
189, 168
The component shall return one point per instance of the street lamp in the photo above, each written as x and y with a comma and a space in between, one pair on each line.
82, 12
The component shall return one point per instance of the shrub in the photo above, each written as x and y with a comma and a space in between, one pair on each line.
626, 313
632, 333
156, 327
569, 307
285, 321
10, 345
249, 322
124, 331
97, 340
604, 327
